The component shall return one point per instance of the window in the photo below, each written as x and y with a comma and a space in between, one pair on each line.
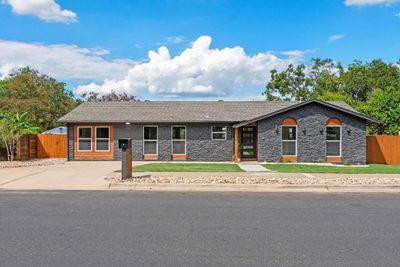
102, 138
179, 140
150, 140
289, 140
333, 141
218, 132
84, 138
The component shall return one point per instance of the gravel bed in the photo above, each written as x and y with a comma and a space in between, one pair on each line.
32, 162
270, 180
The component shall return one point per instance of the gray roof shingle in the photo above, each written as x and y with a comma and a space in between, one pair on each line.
178, 111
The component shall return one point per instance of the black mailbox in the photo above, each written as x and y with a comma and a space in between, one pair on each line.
123, 143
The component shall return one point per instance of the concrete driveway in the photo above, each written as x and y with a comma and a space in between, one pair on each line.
73, 175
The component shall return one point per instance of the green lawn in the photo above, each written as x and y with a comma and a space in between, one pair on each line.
372, 168
187, 167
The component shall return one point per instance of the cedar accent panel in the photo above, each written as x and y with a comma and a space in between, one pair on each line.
289, 158
26, 147
178, 157
150, 157
93, 155
52, 145
334, 122
236, 145
333, 159
289, 122
383, 149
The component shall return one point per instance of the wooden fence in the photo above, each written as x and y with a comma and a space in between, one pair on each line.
42, 146
383, 149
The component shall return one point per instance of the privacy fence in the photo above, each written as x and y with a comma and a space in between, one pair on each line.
42, 146
383, 149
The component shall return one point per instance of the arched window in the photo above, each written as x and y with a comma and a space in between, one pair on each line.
289, 137
333, 138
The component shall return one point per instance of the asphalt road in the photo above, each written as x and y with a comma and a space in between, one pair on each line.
198, 229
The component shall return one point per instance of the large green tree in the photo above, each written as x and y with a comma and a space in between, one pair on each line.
43, 97
364, 85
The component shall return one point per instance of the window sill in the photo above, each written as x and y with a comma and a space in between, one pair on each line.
150, 157
178, 157
289, 158
333, 159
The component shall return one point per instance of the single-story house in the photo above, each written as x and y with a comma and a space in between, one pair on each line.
271, 131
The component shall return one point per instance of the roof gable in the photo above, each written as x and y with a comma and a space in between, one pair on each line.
350, 111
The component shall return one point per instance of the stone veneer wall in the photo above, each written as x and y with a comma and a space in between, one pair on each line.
199, 146
311, 135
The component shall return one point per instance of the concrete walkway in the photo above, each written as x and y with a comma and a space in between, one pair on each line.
252, 167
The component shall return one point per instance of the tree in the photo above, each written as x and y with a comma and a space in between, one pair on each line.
384, 105
12, 127
110, 97
44, 98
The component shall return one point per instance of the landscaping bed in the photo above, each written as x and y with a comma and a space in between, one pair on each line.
304, 168
245, 178
30, 163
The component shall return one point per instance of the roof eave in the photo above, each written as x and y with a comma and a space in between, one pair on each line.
368, 119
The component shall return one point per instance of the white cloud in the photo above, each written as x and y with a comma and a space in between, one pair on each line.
175, 39
65, 62
397, 14
47, 10
336, 37
369, 2
198, 71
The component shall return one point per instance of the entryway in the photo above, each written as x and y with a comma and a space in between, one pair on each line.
249, 143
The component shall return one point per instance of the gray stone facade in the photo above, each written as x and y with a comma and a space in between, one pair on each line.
311, 138
311, 135
199, 146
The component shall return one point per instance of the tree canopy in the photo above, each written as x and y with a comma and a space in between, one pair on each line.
43, 97
370, 87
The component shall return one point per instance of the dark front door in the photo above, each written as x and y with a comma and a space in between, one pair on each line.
249, 143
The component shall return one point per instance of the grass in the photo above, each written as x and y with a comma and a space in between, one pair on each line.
187, 167
301, 168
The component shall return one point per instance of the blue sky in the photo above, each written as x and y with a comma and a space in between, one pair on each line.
213, 49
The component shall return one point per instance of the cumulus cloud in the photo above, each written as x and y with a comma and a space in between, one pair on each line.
66, 62
198, 71
336, 37
369, 2
47, 10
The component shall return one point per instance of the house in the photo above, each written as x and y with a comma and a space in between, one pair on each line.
57, 130
272, 131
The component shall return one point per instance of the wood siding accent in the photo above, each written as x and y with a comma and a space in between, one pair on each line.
289, 121
52, 145
26, 147
289, 158
334, 122
333, 159
150, 157
383, 149
236, 145
178, 157
93, 154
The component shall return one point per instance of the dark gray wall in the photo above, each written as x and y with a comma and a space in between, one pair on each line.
311, 145
199, 146
70, 133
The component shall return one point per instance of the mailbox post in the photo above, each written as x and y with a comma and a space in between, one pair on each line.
126, 146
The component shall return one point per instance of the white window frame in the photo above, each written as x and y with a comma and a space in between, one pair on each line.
95, 138
333, 141
218, 132
295, 141
150, 140
172, 143
84, 138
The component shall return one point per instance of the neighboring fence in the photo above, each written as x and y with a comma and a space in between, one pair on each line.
42, 146
52, 146
383, 149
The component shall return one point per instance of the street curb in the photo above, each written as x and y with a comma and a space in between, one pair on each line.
255, 188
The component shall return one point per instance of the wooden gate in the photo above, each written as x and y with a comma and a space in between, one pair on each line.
52, 145
383, 149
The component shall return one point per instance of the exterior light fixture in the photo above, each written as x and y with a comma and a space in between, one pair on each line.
127, 123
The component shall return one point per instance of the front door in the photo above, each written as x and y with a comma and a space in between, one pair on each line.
249, 143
